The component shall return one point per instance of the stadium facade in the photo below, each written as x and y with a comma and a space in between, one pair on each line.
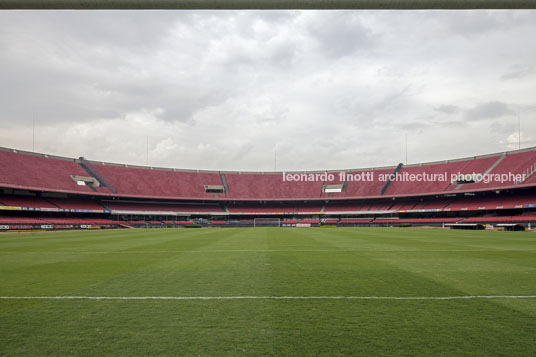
39, 191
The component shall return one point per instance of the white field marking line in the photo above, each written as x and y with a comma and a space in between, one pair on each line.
265, 251
466, 297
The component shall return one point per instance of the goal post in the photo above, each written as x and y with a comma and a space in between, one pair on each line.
266, 222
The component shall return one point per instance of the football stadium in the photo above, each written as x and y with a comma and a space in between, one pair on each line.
173, 189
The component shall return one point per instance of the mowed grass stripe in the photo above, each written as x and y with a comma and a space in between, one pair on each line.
68, 274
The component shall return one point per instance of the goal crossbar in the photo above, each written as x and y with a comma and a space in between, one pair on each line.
266, 222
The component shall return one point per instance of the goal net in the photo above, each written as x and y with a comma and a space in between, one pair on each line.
266, 222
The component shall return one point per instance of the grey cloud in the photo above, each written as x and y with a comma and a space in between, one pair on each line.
518, 71
448, 109
340, 34
480, 22
489, 110
414, 126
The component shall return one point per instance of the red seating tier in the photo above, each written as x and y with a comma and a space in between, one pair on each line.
274, 208
531, 179
76, 203
269, 186
25, 201
492, 202
514, 163
159, 183
21, 220
365, 188
476, 166
40, 173
162, 207
404, 205
430, 184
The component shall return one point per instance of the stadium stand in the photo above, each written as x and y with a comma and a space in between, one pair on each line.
25, 201
513, 163
497, 201
365, 188
38, 189
439, 203
164, 207
343, 207
476, 166
39, 172
404, 205
146, 182
43, 173
21, 220
531, 179
438, 184
76, 203
274, 208
269, 186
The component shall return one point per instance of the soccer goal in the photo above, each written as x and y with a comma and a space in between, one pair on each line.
266, 222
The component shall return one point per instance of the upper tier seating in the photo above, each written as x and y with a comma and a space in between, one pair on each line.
476, 166
407, 187
39, 173
337, 180
360, 188
531, 179
143, 182
269, 186
515, 163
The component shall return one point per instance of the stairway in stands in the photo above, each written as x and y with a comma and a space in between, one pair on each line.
94, 172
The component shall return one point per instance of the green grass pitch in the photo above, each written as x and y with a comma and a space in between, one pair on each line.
261, 263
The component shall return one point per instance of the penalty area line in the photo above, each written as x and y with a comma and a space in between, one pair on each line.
462, 297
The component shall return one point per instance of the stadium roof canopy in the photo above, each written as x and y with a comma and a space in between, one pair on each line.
268, 4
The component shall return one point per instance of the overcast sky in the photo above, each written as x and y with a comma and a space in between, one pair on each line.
227, 89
